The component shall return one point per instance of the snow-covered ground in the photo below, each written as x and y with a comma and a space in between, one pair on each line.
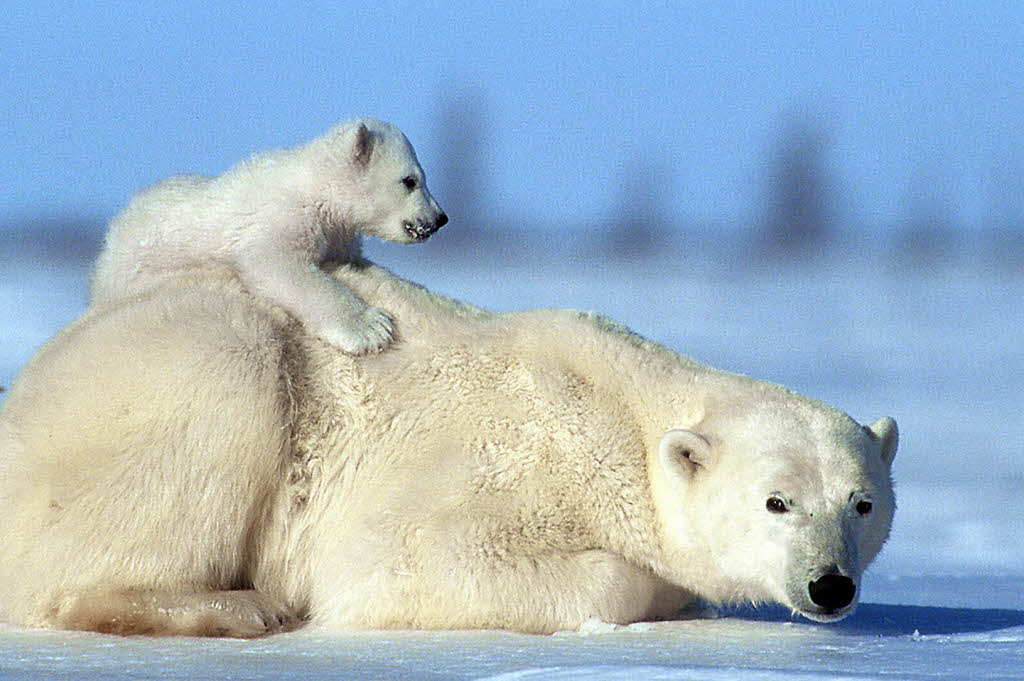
939, 349
960, 639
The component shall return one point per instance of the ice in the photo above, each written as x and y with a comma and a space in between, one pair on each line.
938, 349
629, 673
878, 641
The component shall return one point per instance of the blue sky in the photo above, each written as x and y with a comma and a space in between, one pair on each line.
919, 102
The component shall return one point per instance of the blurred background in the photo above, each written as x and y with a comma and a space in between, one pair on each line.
826, 195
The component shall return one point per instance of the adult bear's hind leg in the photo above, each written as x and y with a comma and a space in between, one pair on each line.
235, 614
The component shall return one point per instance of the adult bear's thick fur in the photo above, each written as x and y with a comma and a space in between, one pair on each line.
192, 461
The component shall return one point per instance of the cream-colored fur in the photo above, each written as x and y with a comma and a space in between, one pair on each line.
191, 458
275, 219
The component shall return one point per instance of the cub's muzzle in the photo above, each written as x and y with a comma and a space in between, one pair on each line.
421, 230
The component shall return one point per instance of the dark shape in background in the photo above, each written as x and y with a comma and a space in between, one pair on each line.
800, 203
802, 213
930, 235
641, 226
461, 175
57, 239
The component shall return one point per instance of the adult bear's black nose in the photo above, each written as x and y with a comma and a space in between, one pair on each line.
442, 220
832, 592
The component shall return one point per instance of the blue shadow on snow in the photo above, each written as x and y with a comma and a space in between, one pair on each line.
899, 620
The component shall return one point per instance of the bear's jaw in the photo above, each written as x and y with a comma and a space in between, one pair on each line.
826, 616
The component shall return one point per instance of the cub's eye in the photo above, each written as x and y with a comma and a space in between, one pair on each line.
864, 507
776, 505
409, 182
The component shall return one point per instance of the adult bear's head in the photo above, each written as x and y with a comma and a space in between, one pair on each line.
778, 499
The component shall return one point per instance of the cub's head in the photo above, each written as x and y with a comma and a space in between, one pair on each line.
782, 504
374, 184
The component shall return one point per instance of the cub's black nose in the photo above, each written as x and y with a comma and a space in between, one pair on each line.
832, 592
442, 220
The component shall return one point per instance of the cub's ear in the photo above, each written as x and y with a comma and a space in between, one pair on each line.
885, 432
683, 453
362, 150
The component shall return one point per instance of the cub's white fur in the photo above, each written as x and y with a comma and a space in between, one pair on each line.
275, 219
531, 471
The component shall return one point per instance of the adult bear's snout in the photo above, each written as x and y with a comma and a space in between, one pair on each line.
832, 591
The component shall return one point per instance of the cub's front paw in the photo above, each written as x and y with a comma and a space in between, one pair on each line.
371, 330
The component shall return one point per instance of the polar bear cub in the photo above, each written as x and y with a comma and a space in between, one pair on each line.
274, 219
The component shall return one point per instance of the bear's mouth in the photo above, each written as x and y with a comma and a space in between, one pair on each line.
420, 230
415, 234
826, 615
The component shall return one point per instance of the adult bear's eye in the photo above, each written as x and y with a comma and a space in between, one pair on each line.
776, 505
864, 507
409, 182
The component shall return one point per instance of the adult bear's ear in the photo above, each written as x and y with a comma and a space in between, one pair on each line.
885, 432
683, 453
362, 150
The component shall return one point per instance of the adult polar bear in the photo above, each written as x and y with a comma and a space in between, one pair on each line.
192, 462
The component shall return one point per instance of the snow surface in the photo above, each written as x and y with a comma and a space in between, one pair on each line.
880, 641
937, 348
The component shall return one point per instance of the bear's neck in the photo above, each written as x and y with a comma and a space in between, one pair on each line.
290, 193
657, 390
